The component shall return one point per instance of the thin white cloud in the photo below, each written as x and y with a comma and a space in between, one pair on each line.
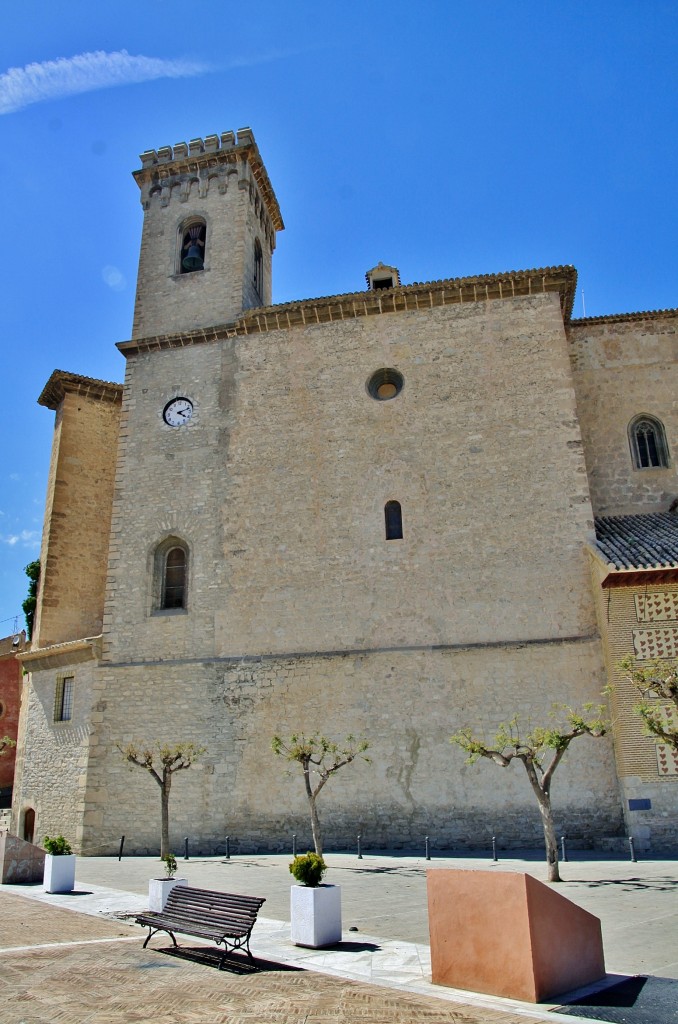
113, 278
52, 79
26, 538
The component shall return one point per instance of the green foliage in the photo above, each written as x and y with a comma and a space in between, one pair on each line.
32, 570
657, 682
6, 741
162, 759
308, 869
170, 863
325, 755
57, 846
534, 743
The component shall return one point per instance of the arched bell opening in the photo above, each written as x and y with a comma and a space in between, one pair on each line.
194, 238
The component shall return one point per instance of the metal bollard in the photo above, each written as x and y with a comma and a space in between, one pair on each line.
633, 852
562, 846
228, 849
360, 855
186, 848
428, 852
294, 844
494, 849
122, 843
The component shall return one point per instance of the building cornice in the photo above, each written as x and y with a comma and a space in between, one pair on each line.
614, 318
57, 655
62, 383
354, 305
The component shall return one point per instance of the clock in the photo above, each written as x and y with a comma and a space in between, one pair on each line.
178, 412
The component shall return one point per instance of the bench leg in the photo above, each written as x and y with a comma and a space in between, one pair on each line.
154, 931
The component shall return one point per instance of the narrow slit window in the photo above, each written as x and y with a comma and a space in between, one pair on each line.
63, 699
174, 589
258, 267
648, 443
394, 520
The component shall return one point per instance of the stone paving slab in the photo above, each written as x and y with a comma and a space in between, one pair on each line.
118, 983
399, 967
23, 922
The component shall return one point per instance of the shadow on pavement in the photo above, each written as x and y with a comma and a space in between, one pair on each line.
637, 1000
210, 956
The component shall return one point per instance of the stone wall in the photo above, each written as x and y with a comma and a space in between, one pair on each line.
51, 775
407, 703
624, 367
279, 482
74, 554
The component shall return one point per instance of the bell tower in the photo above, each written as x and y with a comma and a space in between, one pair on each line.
210, 221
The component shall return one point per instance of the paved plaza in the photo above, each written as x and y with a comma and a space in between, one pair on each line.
89, 966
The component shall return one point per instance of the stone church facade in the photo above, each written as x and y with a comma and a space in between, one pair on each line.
370, 513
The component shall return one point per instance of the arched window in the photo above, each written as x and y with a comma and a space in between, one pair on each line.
648, 443
170, 575
29, 824
258, 267
193, 240
394, 520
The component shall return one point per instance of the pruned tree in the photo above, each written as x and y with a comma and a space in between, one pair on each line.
657, 683
541, 749
161, 761
320, 758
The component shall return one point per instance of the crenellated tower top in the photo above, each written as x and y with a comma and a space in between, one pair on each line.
210, 223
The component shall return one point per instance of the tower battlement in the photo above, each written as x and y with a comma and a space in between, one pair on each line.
201, 162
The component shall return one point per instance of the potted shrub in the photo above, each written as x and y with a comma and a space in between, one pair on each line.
315, 908
59, 873
160, 888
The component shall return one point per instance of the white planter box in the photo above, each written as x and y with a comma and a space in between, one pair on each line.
59, 873
316, 915
159, 889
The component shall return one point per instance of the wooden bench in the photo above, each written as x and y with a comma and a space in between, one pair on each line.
224, 917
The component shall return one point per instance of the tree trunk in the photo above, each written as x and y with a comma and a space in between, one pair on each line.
543, 796
550, 838
315, 820
164, 805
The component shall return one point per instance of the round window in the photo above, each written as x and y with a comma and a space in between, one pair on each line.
385, 384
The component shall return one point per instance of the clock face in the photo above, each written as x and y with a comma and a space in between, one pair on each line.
178, 412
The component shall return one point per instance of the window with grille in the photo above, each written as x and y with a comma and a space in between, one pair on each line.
174, 582
63, 699
648, 443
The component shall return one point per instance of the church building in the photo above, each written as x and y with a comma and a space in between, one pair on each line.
390, 513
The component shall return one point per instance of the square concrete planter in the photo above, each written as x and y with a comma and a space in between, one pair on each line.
316, 915
59, 874
159, 889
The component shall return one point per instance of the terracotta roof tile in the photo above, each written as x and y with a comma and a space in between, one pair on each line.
639, 542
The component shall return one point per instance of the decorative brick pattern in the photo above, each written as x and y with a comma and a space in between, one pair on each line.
656, 607
655, 643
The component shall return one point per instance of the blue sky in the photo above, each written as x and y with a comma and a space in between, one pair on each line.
445, 138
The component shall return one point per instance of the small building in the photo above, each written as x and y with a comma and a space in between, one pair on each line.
10, 702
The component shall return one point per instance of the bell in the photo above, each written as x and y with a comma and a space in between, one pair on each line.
192, 260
